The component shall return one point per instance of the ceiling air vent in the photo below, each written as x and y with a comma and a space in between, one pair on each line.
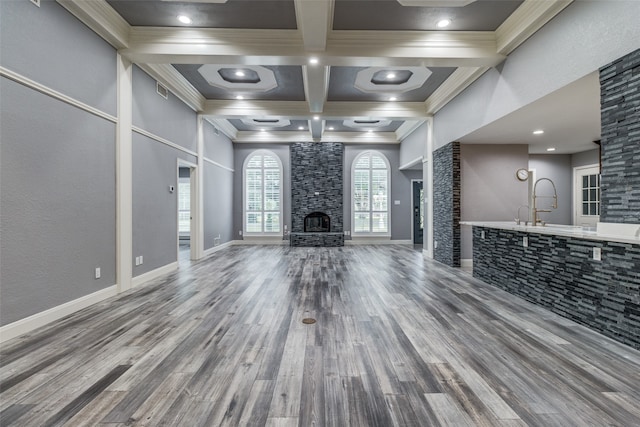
162, 91
36, 2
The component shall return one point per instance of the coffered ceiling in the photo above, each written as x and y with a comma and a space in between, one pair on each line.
354, 71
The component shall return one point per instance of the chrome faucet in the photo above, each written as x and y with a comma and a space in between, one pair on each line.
536, 219
518, 215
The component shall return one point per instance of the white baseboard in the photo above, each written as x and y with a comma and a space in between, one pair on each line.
466, 263
374, 241
261, 241
154, 274
37, 320
215, 249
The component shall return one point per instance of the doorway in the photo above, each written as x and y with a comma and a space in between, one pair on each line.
186, 211
417, 192
586, 195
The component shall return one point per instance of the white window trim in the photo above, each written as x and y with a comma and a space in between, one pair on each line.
245, 233
353, 211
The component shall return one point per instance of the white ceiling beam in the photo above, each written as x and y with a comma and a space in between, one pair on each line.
299, 109
526, 20
251, 137
314, 19
316, 127
316, 86
284, 47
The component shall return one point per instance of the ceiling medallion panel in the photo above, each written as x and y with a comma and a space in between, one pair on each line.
258, 122
436, 3
256, 78
366, 123
385, 79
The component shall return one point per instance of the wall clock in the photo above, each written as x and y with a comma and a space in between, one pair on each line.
522, 174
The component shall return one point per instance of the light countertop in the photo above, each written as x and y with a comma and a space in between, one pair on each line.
623, 233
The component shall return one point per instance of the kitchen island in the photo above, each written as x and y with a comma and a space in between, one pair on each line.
589, 275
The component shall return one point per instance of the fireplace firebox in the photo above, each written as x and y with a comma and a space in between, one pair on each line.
317, 222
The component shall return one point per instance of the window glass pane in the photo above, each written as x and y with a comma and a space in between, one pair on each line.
592, 209
272, 190
379, 223
271, 222
361, 190
592, 180
585, 181
379, 190
270, 162
363, 162
361, 223
592, 195
254, 190
585, 195
254, 222
255, 162
378, 162
585, 209
184, 221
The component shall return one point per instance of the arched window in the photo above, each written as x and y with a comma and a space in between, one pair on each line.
262, 193
371, 181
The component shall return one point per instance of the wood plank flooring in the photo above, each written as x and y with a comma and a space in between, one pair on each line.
399, 341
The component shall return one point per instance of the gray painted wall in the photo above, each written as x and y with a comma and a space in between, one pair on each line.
241, 151
414, 146
583, 40
57, 202
489, 188
401, 215
57, 43
586, 158
556, 167
155, 209
218, 187
168, 118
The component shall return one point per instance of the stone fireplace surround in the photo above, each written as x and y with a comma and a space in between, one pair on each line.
317, 186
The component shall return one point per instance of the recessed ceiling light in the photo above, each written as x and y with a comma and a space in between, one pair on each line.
263, 130
391, 75
331, 128
393, 98
443, 23
538, 132
313, 61
240, 73
316, 117
300, 127
551, 149
184, 19
239, 97
370, 131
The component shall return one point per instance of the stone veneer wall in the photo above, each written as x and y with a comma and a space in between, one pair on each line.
559, 274
620, 115
317, 168
446, 204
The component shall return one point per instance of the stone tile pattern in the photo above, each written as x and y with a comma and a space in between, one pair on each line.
317, 239
317, 167
446, 204
560, 274
620, 116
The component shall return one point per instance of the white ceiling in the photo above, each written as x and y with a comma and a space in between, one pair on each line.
570, 118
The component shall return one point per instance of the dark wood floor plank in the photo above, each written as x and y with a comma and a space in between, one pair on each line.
398, 341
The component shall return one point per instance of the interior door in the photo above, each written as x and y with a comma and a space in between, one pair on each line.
418, 211
587, 196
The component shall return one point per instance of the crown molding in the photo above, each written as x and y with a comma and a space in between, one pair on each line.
256, 108
223, 126
407, 128
176, 83
525, 21
456, 83
102, 19
391, 110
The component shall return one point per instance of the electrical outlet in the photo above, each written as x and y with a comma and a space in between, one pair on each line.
525, 241
597, 254
435, 244
137, 260
141, 260
482, 234
97, 272
239, 232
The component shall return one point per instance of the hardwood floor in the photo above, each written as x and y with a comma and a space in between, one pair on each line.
398, 341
